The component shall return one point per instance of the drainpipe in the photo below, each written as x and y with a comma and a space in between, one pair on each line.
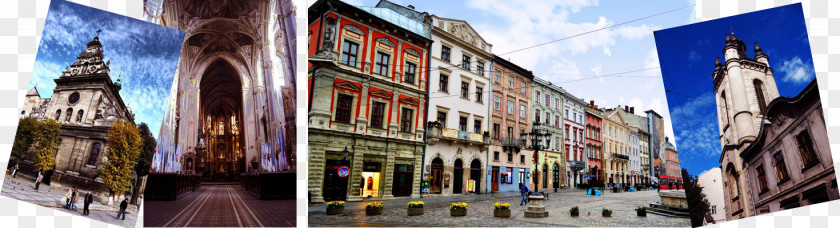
426, 114
489, 124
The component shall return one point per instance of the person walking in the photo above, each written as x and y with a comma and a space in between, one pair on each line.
38, 180
67, 197
14, 171
524, 191
123, 205
74, 199
87, 202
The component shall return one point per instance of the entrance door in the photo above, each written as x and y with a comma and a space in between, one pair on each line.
458, 184
495, 179
335, 187
436, 179
403, 176
556, 176
475, 174
545, 176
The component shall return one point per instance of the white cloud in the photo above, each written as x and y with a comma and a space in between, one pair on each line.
607, 51
636, 32
652, 61
796, 71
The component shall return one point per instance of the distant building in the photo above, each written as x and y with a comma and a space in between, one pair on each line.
546, 108
712, 185
673, 172
574, 119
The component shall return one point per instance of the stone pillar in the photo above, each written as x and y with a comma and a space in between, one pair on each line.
388, 173
319, 115
740, 103
362, 121
393, 126
315, 182
357, 162
418, 171
536, 209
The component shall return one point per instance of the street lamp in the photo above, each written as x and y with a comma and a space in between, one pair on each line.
537, 134
344, 153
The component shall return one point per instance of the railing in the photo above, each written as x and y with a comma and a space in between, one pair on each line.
436, 131
511, 142
621, 156
577, 164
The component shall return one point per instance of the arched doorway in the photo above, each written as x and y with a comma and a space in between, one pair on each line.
458, 180
556, 177
436, 178
475, 174
220, 122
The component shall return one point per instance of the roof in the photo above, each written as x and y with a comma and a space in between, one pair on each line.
398, 19
33, 92
669, 146
514, 67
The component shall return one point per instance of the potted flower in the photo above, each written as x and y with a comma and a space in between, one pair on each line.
458, 209
641, 211
606, 212
502, 209
335, 207
374, 208
575, 211
415, 208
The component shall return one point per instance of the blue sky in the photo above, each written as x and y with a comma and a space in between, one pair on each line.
575, 63
687, 54
145, 54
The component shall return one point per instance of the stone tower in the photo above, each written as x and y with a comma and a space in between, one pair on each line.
743, 88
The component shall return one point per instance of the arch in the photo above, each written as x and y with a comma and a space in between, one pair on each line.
476, 174
725, 112
457, 176
69, 115
57, 114
241, 66
732, 181
93, 157
436, 176
79, 116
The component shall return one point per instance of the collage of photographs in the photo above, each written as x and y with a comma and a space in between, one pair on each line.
470, 113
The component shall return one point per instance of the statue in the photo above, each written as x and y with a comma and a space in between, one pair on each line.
102, 108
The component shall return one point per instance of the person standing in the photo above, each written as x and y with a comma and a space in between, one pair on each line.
67, 197
123, 206
74, 199
87, 202
38, 180
14, 171
524, 190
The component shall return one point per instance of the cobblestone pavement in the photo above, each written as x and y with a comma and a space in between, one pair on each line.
220, 206
49, 196
480, 213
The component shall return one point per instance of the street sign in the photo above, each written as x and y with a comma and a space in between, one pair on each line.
343, 171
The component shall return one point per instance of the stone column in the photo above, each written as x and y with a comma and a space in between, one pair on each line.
315, 184
740, 103
319, 115
388, 173
362, 121
418, 172
357, 162
393, 126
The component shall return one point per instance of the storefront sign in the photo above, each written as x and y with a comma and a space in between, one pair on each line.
446, 180
371, 167
343, 171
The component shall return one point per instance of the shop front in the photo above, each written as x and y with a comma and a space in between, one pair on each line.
371, 173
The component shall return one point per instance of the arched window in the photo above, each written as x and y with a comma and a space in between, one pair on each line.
79, 116
22, 112
69, 115
93, 157
725, 107
57, 114
759, 94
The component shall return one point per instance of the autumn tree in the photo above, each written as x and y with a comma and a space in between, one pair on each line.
147, 150
24, 137
698, 205
122, 150
46, 137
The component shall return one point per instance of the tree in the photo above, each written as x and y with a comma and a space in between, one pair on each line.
46, 137
147, 150
24, 137
122, 151
698, 205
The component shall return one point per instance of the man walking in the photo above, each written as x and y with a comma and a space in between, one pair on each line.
88, 201
14, 171
123, 205
73, 199
38, 180
524, 190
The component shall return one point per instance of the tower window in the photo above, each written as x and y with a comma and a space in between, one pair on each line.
759, 94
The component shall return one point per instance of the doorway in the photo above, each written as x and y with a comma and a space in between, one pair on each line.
335, 187
475, 174
458, 184
494, 185
556, 177
403, 177
436, 178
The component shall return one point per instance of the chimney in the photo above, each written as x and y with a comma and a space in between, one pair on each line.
632, 110
592, 102
625, 109
411, 6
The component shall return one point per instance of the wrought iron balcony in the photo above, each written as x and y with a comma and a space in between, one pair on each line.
577, 164
621, 156
511, 144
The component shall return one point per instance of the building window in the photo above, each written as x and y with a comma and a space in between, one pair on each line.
781, 168
343, 107
537, 114
479, 67
714, 209
465, 63
556, 121
444, 83
381, 63
547, 100
377, 114
497, 102
69, 115
510, 82
567, 114
510, 157
465, 90
498, 76
762, 179
477, 126
522, 111
496, 129
759, 94
495, 155
478, 96
547, 119
725, 107
806, 149
410, 70
521, 159
442, 118
57, 114
523, 86
462, 123
405, 120
348, 53
94, 154
557, 103
538, 95
79, 116
444, 53
510, 108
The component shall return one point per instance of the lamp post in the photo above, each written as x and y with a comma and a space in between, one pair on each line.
344, 154
536, 135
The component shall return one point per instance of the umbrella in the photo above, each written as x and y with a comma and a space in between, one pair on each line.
589, 176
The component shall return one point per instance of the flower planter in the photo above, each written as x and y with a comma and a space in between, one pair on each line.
335, 210
373, 211
606, 214
641, 213
458, 212
415, 211
575, 213
501, 213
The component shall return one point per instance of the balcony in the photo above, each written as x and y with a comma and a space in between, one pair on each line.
577, 165
437, 132
621, 157
511, 144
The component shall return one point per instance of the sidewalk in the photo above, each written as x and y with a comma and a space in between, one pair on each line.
402, 201
48, 196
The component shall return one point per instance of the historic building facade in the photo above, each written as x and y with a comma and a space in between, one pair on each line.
367, 100
85, 102
509, 117
673, 173
546, 108
459, 99
656, 145
594, 143
574, 119
615, 140
638, 143
712, 185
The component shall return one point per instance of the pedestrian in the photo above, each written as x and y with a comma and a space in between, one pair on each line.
67, 197
87, 202
123, 205
14, 171
74, 199
524, 191
38, 180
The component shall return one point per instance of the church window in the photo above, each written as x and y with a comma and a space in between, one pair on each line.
759, 94
349, 53
94, 154
806, 149
69, 115
79, 116
725, 107
57, 114
343, 106
73, 98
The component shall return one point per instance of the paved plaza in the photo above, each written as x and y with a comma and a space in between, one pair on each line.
220, 206
49, 196
480, 212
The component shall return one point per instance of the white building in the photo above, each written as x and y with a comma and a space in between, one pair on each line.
635, 155
712, 186
574, 118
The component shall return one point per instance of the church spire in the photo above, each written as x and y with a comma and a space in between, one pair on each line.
118, 84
